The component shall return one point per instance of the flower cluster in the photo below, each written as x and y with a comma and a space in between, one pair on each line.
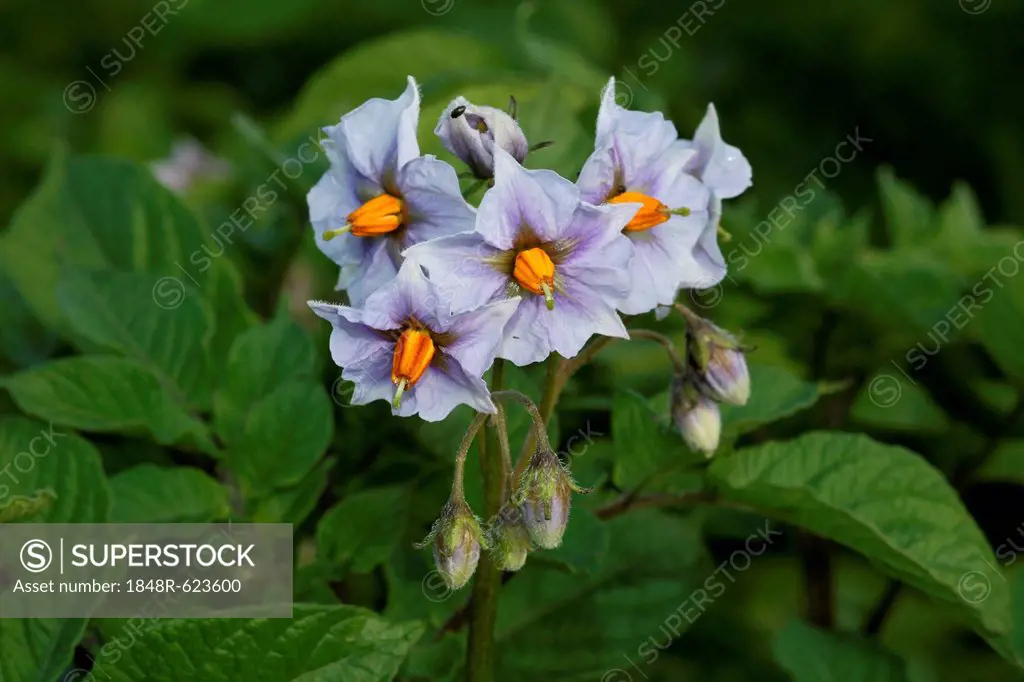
438, 290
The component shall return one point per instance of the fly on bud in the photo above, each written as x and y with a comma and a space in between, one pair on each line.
720, 361
457, 538
510, 542
544, 497
696, 416
471, 132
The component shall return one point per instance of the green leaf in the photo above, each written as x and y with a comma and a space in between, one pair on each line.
285, 434
378, 68
908, 288
105, 394
37, 457
320, 644
281, 351
1005, 464
908, 214
1011, 645
643, 445
566, 626
361, 532
812, 655
294, 504
119, 311
41, 457
584, 546
775, 394
23, 340
153, 494
94, 213
889, 402
998, 317
38, 649
845, 487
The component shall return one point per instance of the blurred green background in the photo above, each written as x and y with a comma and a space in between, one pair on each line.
833, 301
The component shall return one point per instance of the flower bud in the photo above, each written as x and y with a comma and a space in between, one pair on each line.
457, 538
471, 133
544, 497
727, 379
510, 542
719, 360
696, 416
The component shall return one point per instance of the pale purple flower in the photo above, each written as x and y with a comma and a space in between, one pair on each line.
534, 238
380, 196
638, 156
472, 132
405, 347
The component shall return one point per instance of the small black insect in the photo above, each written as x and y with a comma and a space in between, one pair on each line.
458, 111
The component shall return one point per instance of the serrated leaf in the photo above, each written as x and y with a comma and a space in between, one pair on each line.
320, 644
119, 311
281, 351
153, 494
285, 434
908, 214
105, 394
882, 501
361, 532
812, 655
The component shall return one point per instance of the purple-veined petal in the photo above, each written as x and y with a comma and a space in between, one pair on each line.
534, 332
540, 200
434, 203
596, 236
636, 137
661, 257
597, 180
441, 389
375, 269
478, 334
380, 135
372, 378
407, 296
351, 339
458, 268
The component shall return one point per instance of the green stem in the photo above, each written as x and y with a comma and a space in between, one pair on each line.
480, 653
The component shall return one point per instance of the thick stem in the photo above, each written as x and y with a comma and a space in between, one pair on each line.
487, 583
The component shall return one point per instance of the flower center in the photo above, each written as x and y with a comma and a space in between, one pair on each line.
413, 353
652, 212
378, 216
535, 272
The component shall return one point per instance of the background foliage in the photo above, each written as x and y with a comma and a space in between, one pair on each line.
883, 440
